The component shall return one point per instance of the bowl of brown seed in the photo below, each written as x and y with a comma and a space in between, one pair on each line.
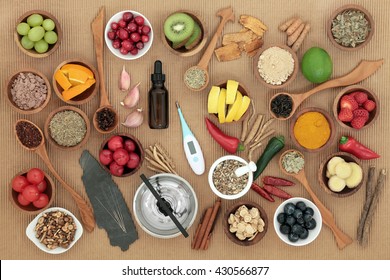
55, 230
350, 27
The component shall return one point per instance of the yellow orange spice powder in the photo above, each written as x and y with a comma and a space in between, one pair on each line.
312, 130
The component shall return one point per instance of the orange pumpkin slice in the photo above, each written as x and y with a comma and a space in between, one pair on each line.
62, 80
69, 66
76, 90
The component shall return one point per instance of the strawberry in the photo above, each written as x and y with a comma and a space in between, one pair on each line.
358, 122
345, 115
369, 105
361, 113
360, 97
352, 94
348, 102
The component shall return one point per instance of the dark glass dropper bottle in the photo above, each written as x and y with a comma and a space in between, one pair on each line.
158, 99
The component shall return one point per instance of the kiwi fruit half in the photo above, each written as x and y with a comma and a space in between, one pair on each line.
178, 27
178, 45
195, 38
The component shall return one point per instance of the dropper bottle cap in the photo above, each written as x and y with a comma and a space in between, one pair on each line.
158, 75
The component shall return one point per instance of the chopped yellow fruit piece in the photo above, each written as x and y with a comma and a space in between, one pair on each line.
222, 106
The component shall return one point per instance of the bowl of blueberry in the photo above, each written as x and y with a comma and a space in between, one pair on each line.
297, 221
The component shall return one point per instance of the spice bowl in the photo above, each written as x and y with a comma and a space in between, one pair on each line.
286, 225
261, 59
347, 14
67, 128
182, 49
256, 220
30, 208
75, 81
30, 51
223, 181
327, 166
312, 129
373, 107
17, 91
73, 230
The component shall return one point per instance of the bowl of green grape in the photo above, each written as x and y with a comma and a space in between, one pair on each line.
38, 33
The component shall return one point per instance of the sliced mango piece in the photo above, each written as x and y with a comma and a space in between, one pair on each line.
77, 77
87, 71
222, 106
233, 109
231, 91
62, 80
76, 90
212, 103
246, 101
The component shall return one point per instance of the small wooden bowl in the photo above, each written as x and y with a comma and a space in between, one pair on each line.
341, 10
182, 51
323, 180
243, 90
31, 209
62, 109
57, 29
139, 151
371, 96
331, 125
290, 79
87, 94
12, 78
231, 210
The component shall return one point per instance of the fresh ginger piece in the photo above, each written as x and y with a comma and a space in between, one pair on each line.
356, 176
332, 164
336, 184
343, 170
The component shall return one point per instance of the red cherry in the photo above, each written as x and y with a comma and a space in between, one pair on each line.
145, 38
146, 29
139, 20
139, 45
127, 16
134, 51
111, 35
132, 27
114, 25
124, 51
135, 37
116, 44
122, 23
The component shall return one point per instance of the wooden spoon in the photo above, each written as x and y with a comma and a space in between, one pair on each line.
342, 239
226, 15
365, 69
85, 210
98, 31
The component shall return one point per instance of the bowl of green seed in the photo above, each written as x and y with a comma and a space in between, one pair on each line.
350, 27
67, 128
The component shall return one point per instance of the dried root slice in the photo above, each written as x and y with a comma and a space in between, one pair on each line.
294, 26
301, 37
253, 46
293, 37
254, 24
237, 37
159, 160
228, 52
283, 27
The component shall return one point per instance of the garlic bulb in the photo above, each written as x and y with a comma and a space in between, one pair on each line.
132, 97
134, 119
124, 80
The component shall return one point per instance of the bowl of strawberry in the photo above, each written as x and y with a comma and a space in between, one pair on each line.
128, 35
121, 155
31, 191
356, 107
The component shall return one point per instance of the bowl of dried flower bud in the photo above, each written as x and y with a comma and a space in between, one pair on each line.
245, 223
223, 180
55, 230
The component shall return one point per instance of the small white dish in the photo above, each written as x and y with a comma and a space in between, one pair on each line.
230, 196
30, 232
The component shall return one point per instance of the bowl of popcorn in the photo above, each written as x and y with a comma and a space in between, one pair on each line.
245, 223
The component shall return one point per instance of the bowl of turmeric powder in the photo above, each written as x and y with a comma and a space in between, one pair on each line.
312, 129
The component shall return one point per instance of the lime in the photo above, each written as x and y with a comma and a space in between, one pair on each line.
316, 65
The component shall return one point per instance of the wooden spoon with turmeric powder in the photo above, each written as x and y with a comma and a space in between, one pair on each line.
365, 69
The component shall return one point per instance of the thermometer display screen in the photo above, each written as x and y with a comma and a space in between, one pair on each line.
191, 147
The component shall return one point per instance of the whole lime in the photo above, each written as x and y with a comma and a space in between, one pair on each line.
316, 65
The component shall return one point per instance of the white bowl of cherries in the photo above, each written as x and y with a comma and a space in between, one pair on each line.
128, 35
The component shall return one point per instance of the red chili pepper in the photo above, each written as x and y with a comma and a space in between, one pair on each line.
262, 192
275, 181
350, 145
228, 143
277, 192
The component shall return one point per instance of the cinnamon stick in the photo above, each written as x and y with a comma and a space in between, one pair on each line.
195, 236
207, 242
210, 223
202, 230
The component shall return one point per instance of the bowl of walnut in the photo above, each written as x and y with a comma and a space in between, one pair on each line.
54, 230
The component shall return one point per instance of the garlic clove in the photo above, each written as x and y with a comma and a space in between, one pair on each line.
134, 119
124, 80
131, 98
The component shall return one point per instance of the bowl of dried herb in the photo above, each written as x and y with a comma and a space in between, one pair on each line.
350, 27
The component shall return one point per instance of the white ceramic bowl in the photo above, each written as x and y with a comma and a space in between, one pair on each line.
31, 233
117, 52
227, 196
312, 233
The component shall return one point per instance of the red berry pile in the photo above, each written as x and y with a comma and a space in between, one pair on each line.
31, 188
129, 34
120, 155
355, 108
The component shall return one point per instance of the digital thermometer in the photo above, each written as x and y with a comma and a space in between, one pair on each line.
192, 148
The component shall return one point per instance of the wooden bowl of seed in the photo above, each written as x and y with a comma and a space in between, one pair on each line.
350, 27
245, 223
67, 128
